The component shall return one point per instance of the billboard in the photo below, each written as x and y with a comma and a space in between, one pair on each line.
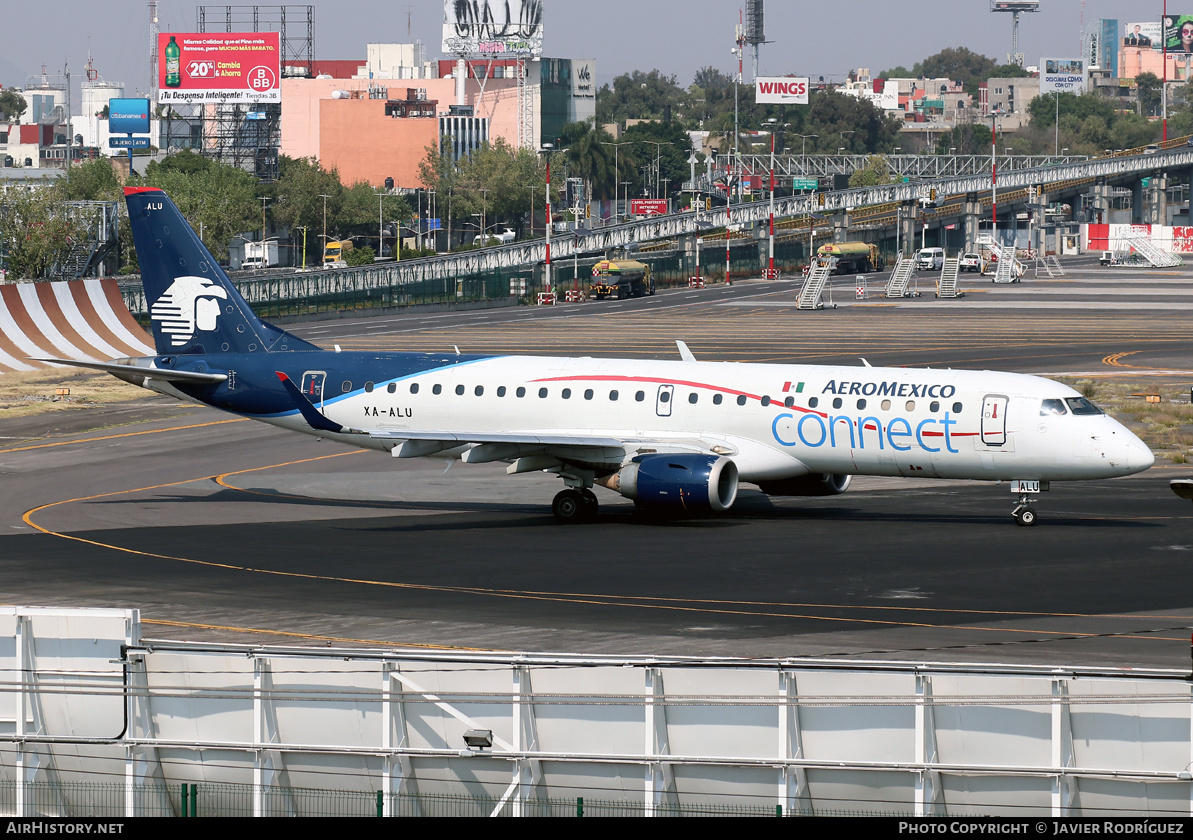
1178, 33
493, 27
648, 206
781, 90
207, 67
1062, 75
1144, 33
583, 78
128, 116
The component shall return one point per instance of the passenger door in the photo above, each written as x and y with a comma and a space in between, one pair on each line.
312, 386
994, 420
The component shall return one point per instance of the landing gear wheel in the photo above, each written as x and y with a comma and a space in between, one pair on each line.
1024, 516
568, 506
591, 505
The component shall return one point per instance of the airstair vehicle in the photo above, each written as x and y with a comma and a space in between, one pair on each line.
1050, 265
1008, 269
896, 287
813, 289
946, 286
1155, 257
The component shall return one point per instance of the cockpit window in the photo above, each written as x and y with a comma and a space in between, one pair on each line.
1050, 407
1080, 405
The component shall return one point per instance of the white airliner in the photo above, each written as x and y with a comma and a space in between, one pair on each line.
671, 435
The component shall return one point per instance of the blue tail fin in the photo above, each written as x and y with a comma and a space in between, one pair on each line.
193, 306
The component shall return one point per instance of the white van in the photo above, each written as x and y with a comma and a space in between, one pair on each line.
930, 258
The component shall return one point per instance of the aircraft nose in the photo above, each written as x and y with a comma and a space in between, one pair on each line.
1139, 457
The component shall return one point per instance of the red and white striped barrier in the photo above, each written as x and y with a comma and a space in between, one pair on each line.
84, 320
770, 274
695, 282
547, 299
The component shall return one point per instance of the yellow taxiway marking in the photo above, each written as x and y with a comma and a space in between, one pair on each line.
121, 435
308, 636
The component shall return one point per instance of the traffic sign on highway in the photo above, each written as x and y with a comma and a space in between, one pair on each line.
128, 142
803, 184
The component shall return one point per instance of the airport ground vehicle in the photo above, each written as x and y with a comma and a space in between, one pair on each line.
505, 237
852, 257
971, 262
674, 436
929, 259
335, 252
620, 278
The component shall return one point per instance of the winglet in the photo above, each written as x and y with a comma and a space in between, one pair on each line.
312, 415
684, 352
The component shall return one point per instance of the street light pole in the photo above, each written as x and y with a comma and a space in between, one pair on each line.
771, 257
616, 174
323, 256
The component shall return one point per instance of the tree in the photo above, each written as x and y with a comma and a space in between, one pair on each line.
1147, 91
94, 180
673, 151
639, 96
965, 139
588, 159
849, 121
876, 172
217, 199
37, 231
12, 104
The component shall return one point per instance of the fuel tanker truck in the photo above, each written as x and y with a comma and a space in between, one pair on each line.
852, 257
620, 278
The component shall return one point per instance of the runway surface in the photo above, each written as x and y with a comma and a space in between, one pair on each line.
221, 528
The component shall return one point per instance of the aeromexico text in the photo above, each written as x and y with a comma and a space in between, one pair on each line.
888, 389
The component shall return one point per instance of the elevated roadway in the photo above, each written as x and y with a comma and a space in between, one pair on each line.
533, 252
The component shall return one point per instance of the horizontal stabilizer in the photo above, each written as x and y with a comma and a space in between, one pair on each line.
150, 372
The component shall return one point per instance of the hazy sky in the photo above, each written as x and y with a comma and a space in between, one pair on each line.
676, 36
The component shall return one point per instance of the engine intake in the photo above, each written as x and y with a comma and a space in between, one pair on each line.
816, 484
688, 482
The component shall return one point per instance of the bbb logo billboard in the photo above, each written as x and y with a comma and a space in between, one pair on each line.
128, 116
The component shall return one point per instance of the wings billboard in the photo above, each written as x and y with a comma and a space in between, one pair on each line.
493, 27
225, 67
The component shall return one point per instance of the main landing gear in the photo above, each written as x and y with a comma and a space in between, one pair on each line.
1027, 491
573, 505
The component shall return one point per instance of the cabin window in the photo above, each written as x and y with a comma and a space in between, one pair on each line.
612, 396
956, 408
765, 401
588, 394
501, 390
692, 397
640, 396
861, 404
479, 390
789, 402
521, 392
717, 399
836, 402
542, 393
347, 386
934, 406
436, 389
393, 388
459, 390
665, 397
813, 402
741, 400
368, 387
1052, 407
566, 393
910, 405
886, 405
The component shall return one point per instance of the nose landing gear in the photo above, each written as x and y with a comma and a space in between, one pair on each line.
1027, 492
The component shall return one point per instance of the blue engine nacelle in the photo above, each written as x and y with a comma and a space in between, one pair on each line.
682, 482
